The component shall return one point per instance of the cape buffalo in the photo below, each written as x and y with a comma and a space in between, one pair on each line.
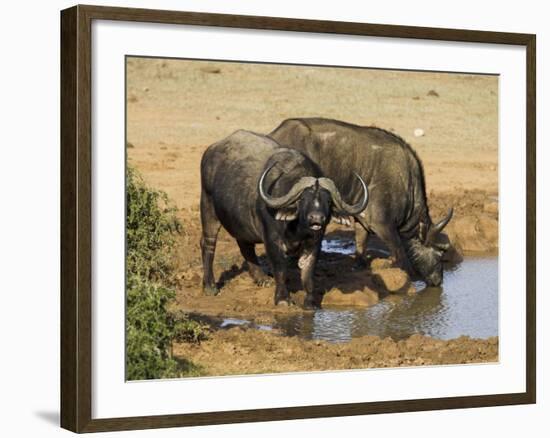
262, 193
398, 210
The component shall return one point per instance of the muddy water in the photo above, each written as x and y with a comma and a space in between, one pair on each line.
466, 304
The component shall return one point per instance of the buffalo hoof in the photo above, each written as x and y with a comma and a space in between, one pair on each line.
210, 290
282, 303
311, 304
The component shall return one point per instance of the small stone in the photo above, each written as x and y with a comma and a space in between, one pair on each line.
419, 132
433, 93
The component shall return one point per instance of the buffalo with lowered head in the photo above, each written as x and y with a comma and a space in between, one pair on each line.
398, 210
262, 193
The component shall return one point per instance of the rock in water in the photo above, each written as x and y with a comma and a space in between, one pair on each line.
335, 297
393, 280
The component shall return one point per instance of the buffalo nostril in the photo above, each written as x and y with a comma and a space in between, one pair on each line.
316, 218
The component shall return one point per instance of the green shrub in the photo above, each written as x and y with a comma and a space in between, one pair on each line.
150, 328
150, 227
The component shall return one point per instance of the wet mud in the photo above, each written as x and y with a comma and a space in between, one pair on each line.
250, 351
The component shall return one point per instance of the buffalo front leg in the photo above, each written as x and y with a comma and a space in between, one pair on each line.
361, 240
254, 268
391, 238
210, 228
278, 260
306, 263
281, 292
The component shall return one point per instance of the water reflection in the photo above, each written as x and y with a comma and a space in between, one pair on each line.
467, 304
338, 246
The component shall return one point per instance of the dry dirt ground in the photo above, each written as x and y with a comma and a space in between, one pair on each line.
177, 108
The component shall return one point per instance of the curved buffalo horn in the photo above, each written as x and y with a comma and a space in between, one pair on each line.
437, 228
292, 195
340, 204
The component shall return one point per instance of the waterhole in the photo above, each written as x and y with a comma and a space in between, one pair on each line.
465, 304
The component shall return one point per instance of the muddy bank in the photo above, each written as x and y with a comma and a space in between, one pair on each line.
474, 227
249, 351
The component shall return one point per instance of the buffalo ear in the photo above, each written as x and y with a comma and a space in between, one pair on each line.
342, 219
286, 214
442, 246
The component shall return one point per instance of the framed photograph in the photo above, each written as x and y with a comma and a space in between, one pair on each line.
269, 218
